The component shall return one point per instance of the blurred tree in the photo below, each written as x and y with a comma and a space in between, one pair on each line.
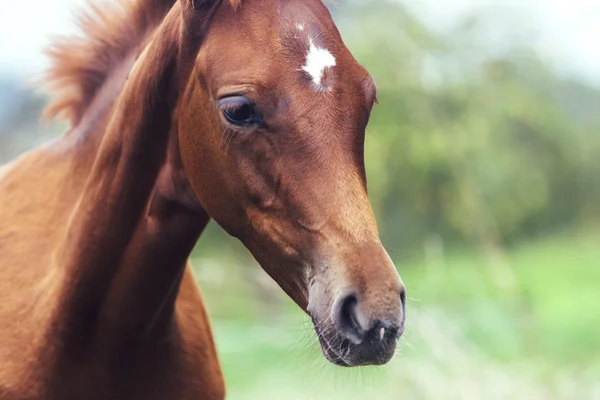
479, 147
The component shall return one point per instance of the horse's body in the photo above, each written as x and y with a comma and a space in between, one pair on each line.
98, 299
180, 362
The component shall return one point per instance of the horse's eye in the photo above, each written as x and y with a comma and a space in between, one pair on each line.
239, 111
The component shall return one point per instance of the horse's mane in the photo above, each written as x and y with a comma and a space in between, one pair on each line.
81, 64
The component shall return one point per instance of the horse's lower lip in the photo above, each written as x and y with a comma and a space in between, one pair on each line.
331, 355
334, 358
339, 362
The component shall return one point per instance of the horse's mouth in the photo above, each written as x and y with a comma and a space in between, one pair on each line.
342, 352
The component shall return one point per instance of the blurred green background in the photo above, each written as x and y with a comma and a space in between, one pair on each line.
483, 168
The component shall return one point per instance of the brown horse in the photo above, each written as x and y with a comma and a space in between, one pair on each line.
249, 112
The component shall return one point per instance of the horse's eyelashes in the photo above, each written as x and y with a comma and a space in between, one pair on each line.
239, 111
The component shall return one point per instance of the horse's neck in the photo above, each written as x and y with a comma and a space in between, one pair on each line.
129, 237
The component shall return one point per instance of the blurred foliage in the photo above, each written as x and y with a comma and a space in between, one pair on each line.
466, 338
468, 146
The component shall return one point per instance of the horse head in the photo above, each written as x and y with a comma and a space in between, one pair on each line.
271, 129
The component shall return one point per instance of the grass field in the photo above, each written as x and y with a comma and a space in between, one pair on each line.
466, 339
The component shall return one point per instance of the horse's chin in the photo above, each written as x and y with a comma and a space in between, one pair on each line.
334, 354
334, 358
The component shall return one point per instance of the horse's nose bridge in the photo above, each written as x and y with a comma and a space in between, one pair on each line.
376, 283
353, 218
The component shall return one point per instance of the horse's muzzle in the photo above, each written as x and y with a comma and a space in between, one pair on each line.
357, 338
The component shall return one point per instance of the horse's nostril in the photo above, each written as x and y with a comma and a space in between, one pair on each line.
346, 320
403, 317
403, 297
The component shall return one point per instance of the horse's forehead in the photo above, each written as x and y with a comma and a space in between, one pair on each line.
283, 38
312, 45
274, 25
312, 52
